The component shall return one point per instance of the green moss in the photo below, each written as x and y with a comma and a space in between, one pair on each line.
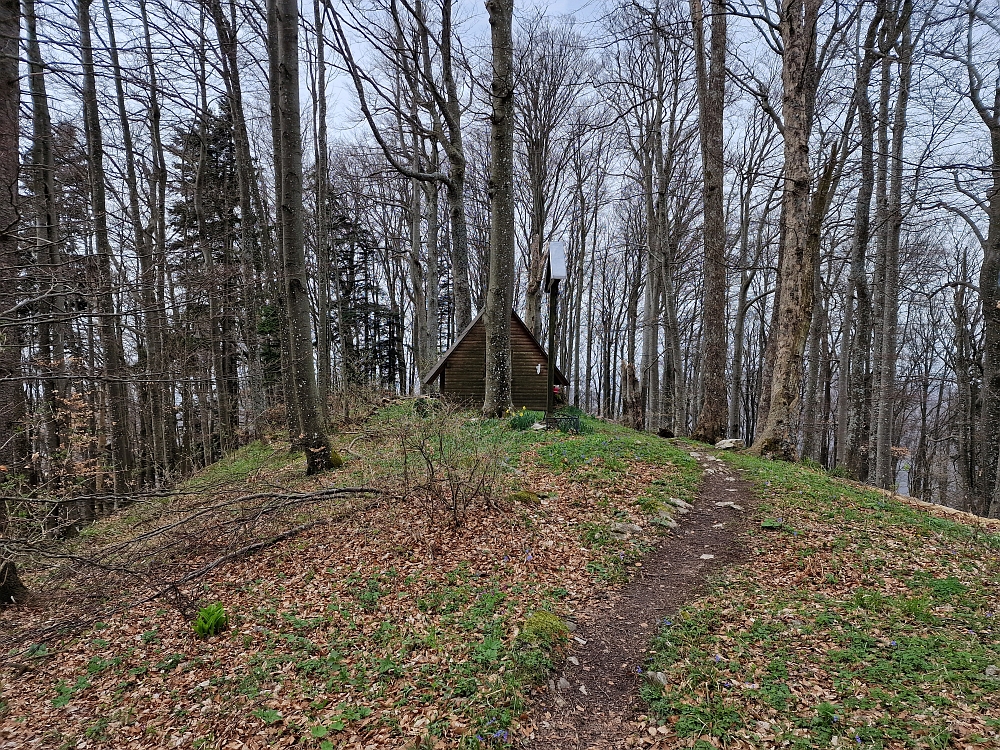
544, 629
540, 645
524, 496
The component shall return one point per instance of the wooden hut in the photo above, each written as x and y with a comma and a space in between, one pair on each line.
461, 372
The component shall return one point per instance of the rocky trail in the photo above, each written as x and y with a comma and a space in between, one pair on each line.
593, 704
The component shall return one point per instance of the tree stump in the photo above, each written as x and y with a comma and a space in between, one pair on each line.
12, 591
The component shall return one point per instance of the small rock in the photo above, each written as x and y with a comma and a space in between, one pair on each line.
570, 626
564, 684
573, 660
656, 678
707, 557
583, 689
678, 503
732, 444
729, 504
580, 640
626, 528
992, 671
665, 520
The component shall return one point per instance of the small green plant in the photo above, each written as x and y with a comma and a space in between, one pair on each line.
211, 620
524, 419
268, 715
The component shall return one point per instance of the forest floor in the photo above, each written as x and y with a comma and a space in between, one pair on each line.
427, 616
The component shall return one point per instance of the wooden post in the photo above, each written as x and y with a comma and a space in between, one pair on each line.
553, 314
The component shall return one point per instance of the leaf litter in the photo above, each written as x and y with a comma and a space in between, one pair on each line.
383, 627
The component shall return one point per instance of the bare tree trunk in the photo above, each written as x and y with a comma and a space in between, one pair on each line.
455, 185
324, 368
114, 363
51, 326
13, 443
798, 266
143, 247
500, 292
894, 223
713, 415
255, 237
157, 247
855, 346
810, 437
313, 438
432, 277
288, 387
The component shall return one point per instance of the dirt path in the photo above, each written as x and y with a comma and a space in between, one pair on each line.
593, 704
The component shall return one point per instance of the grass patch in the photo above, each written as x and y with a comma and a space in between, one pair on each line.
868, 621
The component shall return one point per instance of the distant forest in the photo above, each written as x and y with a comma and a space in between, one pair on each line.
226, 218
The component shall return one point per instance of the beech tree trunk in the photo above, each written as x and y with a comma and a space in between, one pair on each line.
47, 252
712, 418
777, 436
855, 344
255, 236
890, 308
312, 437
455, 151
13, 445
153, 389
500, 289
114, 363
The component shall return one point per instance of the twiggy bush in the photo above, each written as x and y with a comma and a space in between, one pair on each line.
447, 466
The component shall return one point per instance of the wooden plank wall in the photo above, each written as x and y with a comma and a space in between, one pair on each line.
465, 371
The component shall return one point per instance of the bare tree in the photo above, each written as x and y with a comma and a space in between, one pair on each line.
500, 292
312, 432
713, 416
797, 26
12, 404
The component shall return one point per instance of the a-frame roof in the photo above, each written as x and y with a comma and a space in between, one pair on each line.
515, 319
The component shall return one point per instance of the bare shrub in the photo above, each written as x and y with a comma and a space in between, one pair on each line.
447, 466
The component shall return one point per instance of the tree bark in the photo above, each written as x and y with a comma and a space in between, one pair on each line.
712, 418
143, 246
114, 362
855, 345
798, 266
884, 475
312, 438
500, 290
255, 236
13, 443
12, 591
48, 255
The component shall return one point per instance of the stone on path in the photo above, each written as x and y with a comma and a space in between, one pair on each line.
732, 444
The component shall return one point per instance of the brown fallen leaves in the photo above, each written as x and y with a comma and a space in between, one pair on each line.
374, 630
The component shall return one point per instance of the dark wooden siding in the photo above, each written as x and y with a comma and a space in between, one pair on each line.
465, 370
